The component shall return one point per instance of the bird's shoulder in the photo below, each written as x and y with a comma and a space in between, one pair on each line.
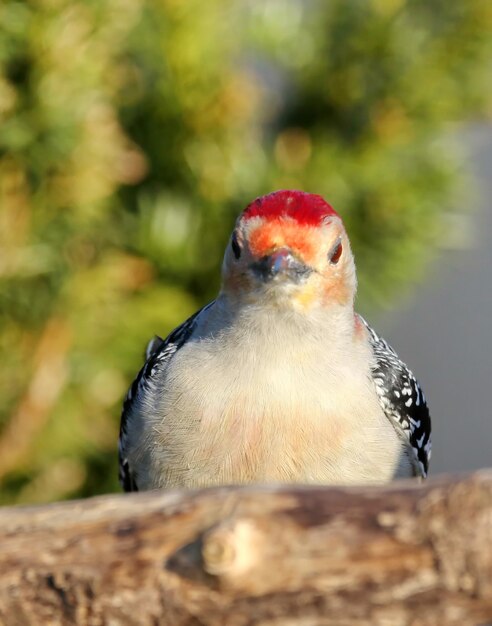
158, 355
401, 397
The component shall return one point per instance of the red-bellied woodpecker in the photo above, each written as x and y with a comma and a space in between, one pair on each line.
277, 379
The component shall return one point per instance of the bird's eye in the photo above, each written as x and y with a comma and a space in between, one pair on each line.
335, 253
236, 248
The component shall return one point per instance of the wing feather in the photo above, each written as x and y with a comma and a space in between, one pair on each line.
159, 353
402, 399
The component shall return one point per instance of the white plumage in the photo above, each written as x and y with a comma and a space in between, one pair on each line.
278, 380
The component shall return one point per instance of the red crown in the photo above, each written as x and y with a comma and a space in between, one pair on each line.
306, 208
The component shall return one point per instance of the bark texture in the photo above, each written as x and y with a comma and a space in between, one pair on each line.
403, 555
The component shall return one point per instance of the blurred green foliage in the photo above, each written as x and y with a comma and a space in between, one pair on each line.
132, 132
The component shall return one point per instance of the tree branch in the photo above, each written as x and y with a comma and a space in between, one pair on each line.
404, 554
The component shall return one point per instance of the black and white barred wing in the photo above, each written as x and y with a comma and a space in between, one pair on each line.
402, 399
159, 353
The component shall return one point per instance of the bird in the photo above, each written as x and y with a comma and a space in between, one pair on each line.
278, 380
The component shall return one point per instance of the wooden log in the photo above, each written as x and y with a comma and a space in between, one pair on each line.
403, 554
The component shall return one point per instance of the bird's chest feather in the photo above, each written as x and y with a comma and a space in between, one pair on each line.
249, 414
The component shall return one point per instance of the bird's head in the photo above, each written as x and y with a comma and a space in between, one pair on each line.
290, 248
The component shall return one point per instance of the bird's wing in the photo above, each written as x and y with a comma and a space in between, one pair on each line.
158, 355
401, 399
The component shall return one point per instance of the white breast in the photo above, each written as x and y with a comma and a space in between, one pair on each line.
273, 403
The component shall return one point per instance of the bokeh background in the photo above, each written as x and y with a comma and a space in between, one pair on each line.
132, 132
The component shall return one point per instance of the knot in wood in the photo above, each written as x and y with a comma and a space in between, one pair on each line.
230, 549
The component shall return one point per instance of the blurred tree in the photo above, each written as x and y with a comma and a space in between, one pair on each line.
131, 135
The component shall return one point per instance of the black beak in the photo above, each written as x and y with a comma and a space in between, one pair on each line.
281, 263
